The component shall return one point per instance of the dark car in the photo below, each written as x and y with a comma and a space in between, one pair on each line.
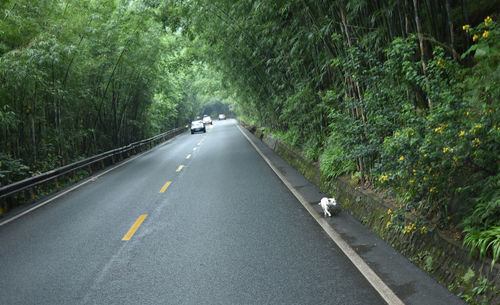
197, 126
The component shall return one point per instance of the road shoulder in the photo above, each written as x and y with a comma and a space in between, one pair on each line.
409, 283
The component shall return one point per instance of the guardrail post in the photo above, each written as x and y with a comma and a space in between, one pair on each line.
102, 163
32, 193
3, 203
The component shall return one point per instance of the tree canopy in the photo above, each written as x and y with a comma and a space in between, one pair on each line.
401, 96
81, 77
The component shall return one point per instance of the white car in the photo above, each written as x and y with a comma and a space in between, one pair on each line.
222, 116
207, 120
197, 126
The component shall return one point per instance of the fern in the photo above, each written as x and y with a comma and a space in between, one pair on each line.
484, 241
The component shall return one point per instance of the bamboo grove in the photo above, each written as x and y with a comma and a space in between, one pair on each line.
402, 96
82, 77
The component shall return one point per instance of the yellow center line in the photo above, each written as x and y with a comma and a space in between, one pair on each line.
188, 156
164, 188
179, 168
134, 227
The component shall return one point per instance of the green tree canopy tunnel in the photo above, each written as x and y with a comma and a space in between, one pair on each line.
402, 96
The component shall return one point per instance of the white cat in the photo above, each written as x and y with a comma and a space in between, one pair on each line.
326, 203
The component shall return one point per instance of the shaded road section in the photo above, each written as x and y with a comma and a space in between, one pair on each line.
225, 231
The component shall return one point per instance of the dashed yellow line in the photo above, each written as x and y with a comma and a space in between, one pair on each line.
134, 227
188, 156
164, 188
179, 168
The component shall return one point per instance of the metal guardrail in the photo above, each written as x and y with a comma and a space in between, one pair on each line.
114, 155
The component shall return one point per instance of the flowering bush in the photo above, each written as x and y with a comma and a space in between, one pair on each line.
445, 163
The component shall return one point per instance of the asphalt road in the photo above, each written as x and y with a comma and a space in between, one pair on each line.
225, 230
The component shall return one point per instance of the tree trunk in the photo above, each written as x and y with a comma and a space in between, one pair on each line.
359, 110
422, 49
452, 33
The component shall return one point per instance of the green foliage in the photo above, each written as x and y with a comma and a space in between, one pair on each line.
364, 87
82, 77
484, 241
11, 170
366, 90
332, 160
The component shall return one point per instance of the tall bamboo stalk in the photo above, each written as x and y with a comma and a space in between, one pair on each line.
422, 49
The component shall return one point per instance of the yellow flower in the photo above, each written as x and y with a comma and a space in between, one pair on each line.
455, 159
423, 230
485, 34
389, 211
461, 133
414, 172
432, 189
475, 37
412, 181
388, 224
466, 27
402, 158
406, 229
487, 21
468, 113
383, 178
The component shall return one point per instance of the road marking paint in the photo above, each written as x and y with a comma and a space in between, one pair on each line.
134, 227
164, 188
195, 148
179, 168
188, 156
385, 292
199, 143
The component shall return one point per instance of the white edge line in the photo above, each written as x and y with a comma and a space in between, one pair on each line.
385, 292
89, 179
